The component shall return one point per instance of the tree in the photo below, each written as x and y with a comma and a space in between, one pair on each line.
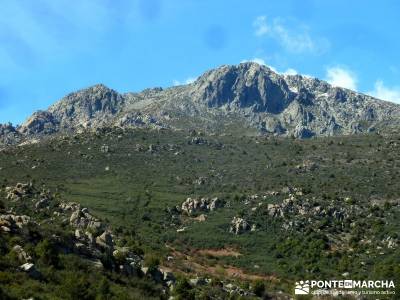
259, 288
183, 290
47, 253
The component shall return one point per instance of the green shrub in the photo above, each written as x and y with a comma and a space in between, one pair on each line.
183, 290
47, 253
151, 261
103, 290
259, 288
76, 286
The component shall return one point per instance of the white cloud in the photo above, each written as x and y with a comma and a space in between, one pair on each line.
294, 38
260, 25
290, 71
341, 77
188, 80
385, 93
259, 61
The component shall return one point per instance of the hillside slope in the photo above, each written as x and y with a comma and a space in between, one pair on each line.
225, 212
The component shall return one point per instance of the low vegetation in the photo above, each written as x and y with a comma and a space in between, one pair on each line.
289, 209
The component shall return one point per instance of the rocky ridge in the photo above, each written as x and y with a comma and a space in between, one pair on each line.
246, 95
91, 238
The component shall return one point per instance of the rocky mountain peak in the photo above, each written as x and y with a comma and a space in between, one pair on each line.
248, 95
247, 85
92, 95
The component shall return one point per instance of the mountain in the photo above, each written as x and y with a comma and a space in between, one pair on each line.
244, 98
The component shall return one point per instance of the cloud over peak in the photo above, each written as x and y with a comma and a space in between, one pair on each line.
385, 93
295, 38
188, 80
341, 77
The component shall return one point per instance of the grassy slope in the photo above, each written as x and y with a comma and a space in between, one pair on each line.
139, 185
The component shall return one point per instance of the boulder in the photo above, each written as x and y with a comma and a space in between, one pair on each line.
30, 269
75, 216
105, 241
168, 277
195, 205
78, 234
200, 181
145, 270
95, 226
239, 225
198, 141
83, 249
5, 229
69, 206
20, 191
121, 253
274, 210
42, 203
104, 149
197, 281
14, 222
22, 255
216, 203
82, 219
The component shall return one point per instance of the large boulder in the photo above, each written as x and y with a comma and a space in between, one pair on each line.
20, 191
274, 210
239, 225
105, 241
216, 203
21, 254
82, 219
195, 205
13, 223
69, 206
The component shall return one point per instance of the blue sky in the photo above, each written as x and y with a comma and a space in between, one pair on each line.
49, 48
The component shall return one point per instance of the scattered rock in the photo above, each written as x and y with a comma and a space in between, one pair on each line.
30, 269
239, 225
22, 255
198, 141
200, 181
104, 149
13, 223
194, 205
105, 241
197, 281
20, 191
391, 243
82, 219
181, 229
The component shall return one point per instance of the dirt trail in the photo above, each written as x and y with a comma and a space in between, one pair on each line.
219, 252
192, 262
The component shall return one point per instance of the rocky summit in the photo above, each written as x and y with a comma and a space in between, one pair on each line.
247, 98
